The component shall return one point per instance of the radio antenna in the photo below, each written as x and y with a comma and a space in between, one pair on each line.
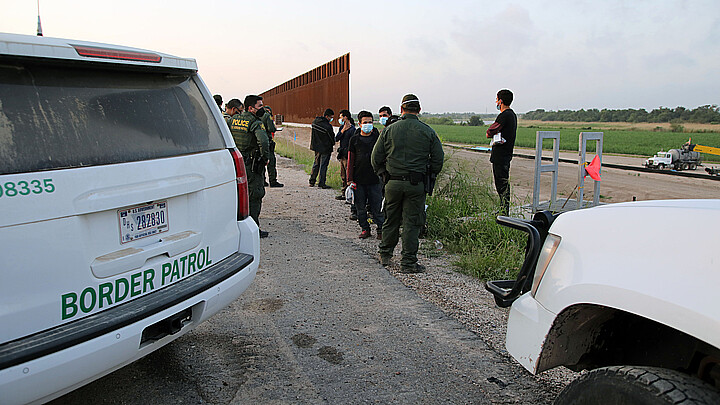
39, 29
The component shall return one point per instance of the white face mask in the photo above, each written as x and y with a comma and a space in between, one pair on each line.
367, 128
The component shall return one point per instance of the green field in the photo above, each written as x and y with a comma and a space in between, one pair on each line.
642, 143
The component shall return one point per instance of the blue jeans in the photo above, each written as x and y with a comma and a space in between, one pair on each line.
320, 166
373, 194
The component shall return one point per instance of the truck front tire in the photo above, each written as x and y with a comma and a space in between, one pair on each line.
637, 385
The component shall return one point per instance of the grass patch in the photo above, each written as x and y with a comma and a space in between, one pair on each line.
461, 214
306, 157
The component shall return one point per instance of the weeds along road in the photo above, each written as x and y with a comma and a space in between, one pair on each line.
324, 322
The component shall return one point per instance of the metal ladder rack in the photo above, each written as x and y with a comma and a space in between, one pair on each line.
561, 205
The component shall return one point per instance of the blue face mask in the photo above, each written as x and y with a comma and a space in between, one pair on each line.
330, 120
383, 120
341, 121
367, 128
497, 106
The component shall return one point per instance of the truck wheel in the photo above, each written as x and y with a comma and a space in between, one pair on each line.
661, 166
693, 166
637, 385
685, 166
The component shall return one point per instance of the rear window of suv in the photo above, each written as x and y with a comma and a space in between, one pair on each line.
64, 116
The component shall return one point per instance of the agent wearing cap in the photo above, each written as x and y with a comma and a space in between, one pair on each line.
404, 150
252, 142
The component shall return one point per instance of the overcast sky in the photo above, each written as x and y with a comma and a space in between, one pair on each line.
453, 54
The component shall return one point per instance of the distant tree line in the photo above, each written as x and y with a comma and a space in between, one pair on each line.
470, 119
704, 115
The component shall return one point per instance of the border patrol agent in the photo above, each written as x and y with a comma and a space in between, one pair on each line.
267, 120
404, 150
232, 107
252, 142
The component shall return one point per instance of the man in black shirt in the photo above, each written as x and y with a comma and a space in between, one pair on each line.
362, 177
503, 130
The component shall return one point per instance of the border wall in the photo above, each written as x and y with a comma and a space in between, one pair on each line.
305, 97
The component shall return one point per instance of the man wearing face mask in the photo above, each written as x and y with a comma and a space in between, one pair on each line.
252, 141
387, 117
322, 141
406, 149
345, 132
362, 177
505, 126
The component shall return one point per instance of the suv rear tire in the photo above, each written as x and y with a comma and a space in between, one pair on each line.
637, 385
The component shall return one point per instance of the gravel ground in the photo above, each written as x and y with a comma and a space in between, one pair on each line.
459, 296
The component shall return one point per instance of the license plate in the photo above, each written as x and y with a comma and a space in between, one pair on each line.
143, 221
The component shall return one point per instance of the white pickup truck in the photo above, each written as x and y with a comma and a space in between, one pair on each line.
641, 314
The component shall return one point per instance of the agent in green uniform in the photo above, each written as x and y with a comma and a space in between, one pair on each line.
404, 150
252, 142
267, 120
232, 107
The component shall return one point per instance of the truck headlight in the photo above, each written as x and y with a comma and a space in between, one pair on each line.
546, 254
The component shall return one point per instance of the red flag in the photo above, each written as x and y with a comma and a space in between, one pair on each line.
593, 169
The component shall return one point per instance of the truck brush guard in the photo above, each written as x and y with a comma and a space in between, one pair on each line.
507, 291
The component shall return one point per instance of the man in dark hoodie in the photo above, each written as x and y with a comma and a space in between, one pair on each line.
322, 141
345, 132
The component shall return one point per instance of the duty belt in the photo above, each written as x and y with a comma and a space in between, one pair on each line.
403, 178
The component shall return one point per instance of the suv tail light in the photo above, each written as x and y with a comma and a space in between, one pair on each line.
108, 53
242, 185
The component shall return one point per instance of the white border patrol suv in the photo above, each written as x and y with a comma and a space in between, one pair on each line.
123, 210
598, 292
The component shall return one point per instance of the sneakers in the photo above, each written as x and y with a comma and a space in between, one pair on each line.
276, 184
364, 234
418, 268
311, 184
264, 234
385, 260
379, 235
339, 197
